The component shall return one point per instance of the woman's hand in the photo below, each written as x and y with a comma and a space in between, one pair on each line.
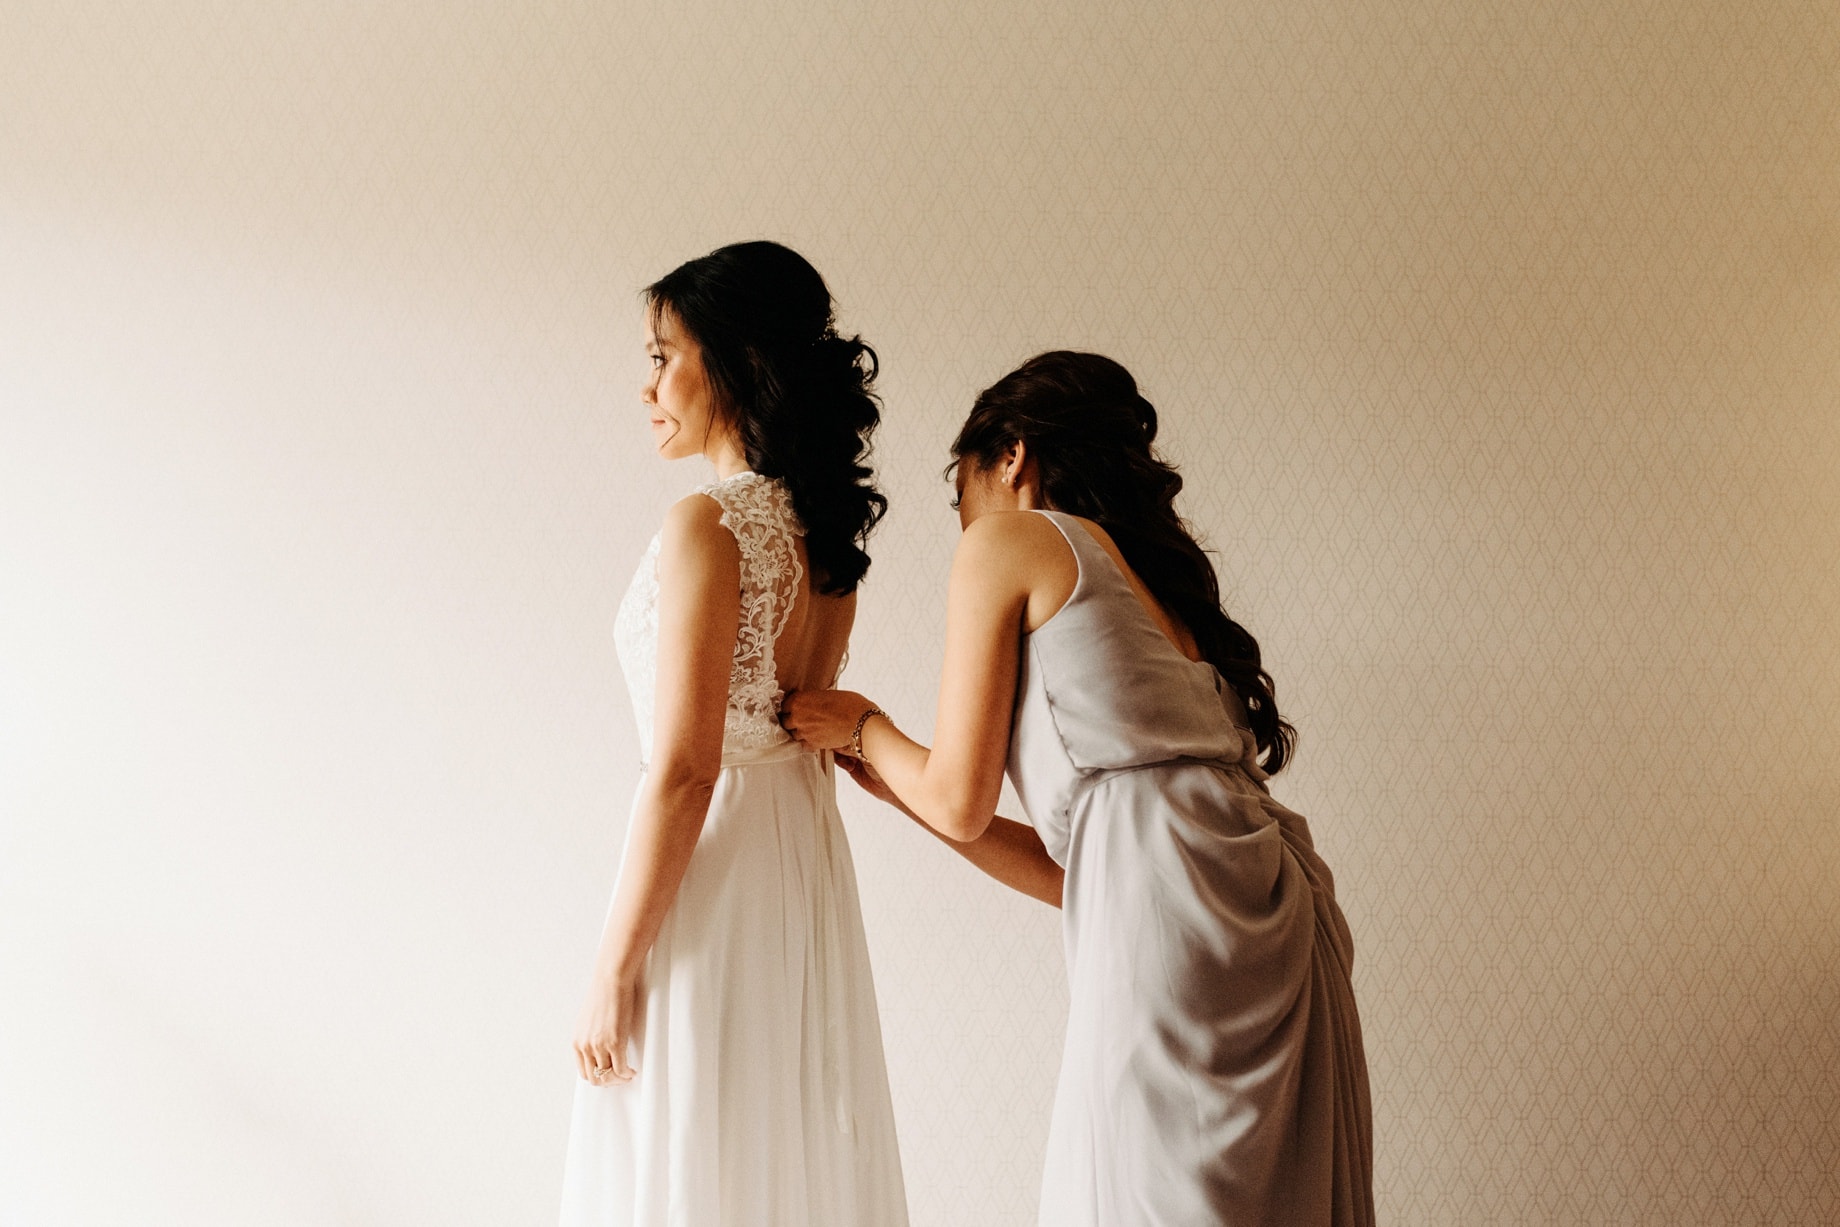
822, 719
607, 1020
871, 783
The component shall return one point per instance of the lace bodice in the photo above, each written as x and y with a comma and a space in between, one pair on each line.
758, 510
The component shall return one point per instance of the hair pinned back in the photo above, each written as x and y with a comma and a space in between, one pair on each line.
800, 395
1090, 432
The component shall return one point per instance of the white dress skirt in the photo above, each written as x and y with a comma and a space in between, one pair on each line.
761, 1093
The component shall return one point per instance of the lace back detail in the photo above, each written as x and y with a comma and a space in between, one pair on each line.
758, 511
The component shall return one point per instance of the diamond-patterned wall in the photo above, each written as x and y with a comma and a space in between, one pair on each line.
1500, 345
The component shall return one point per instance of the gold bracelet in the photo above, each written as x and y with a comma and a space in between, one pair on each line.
856, 733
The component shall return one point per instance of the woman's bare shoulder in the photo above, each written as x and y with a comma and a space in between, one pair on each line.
1009, 534
1016, 556
693, 528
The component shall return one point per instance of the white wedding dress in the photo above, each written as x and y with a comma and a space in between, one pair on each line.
761, 1098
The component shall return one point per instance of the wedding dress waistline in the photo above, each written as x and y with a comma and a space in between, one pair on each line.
780, 752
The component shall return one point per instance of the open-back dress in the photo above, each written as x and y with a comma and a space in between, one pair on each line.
761, 1097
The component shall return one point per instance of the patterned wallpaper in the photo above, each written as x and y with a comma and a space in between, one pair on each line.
1499, 345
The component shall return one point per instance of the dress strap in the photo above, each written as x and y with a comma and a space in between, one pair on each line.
758, 511
1098, 572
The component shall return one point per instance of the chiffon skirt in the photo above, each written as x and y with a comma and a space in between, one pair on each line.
761, 1095
1214, 1070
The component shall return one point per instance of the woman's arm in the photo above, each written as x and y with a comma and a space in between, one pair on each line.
1009, 851
1006, 562
699, 586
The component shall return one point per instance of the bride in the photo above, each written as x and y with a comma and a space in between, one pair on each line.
729, 1046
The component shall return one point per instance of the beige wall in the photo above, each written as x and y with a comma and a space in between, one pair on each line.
1500, 345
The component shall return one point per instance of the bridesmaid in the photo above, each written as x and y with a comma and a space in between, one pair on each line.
1213, 1069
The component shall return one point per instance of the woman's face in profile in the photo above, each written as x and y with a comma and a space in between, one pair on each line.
677, 392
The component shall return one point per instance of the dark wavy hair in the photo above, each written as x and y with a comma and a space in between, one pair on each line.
1091, 434
799, 394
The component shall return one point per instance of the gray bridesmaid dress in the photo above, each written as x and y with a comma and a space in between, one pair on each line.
1213, 1071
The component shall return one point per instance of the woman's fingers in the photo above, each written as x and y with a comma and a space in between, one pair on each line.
622, 1028
866, 779
600, 1065
793, 715
859, 770
600, 1042
788, 714
821, 719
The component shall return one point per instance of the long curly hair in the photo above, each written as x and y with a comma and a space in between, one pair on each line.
800, 395
1091, 434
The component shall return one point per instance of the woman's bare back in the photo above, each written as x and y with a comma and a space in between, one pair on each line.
811, 647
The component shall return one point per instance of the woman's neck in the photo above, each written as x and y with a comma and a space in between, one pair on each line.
728, 458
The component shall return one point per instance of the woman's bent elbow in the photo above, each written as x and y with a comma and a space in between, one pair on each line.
680, 788
961, 823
